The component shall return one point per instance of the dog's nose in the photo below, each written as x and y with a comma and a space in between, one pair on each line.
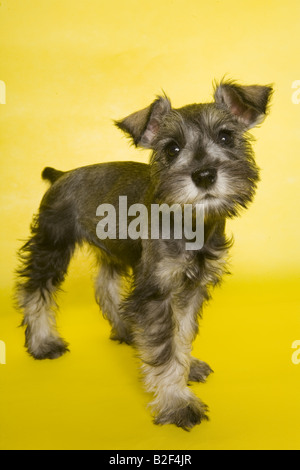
204, 178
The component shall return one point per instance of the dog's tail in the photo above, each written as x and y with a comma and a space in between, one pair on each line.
51, 174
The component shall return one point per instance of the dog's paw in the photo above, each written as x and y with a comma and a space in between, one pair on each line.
186, 418
121, 336
199, 371
51, 348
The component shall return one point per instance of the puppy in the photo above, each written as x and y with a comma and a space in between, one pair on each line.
201, 158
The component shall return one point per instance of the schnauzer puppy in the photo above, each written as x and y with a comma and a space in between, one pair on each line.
201, 154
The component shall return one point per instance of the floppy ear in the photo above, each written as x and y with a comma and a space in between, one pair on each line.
143, 126
248, 103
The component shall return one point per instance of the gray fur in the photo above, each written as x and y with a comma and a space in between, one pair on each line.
201, 153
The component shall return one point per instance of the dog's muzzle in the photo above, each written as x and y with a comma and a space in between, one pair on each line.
204, 178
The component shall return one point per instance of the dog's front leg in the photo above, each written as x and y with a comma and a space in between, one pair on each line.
164, 331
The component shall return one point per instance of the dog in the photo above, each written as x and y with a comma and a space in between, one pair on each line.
201, 155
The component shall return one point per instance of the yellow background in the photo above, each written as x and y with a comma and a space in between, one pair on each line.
70, 67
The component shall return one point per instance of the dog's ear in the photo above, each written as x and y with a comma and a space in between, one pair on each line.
143, 125
249, 104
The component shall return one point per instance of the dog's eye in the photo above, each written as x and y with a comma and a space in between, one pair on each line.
225, 137
172, 149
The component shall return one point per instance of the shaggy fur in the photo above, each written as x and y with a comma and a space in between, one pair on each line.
201, 154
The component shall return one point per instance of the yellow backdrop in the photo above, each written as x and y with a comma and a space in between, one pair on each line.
68, 68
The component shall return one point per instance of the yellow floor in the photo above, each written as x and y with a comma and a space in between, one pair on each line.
92, 397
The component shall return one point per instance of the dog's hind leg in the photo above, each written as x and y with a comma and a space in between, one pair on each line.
45, 259
108, 288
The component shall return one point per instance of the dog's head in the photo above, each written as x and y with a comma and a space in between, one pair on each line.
202, 152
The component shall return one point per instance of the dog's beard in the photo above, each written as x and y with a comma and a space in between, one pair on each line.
225, 198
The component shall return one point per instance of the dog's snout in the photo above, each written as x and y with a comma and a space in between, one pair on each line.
204, 178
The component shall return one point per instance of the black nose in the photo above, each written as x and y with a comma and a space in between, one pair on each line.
204, 178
